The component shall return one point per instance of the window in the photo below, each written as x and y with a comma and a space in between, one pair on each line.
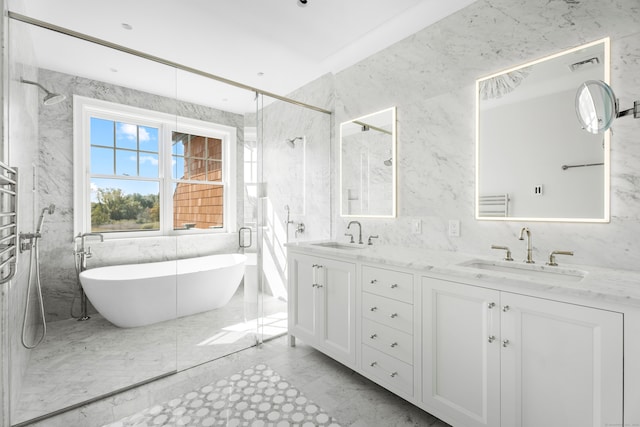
140, 172
198, 199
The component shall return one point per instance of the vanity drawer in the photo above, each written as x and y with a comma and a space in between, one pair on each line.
396, 314
388, 370
388, 283
388, 340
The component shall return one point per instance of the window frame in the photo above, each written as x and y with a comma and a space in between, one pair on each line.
85, 108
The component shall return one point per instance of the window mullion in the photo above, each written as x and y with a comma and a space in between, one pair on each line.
167, 178
114, 146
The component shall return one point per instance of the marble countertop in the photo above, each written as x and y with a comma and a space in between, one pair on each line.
566, 281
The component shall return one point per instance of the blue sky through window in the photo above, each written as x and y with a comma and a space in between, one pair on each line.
125, 150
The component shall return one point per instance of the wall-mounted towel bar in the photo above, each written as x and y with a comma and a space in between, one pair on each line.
8, 221
565, 167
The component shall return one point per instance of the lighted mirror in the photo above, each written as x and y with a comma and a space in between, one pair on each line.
368, 165
534, 162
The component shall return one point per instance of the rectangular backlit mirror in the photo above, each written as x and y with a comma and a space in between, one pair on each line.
368, 165
534, 162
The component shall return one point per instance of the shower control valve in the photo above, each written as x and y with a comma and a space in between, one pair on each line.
26, 241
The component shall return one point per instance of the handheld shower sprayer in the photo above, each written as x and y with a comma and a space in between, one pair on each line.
29, 241
50, 210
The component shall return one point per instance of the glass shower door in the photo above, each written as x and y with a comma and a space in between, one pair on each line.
209, 216
293, 196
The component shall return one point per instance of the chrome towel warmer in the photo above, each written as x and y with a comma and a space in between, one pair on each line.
8, 221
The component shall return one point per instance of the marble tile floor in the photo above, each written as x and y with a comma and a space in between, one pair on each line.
349, 398
257, 396
79, 361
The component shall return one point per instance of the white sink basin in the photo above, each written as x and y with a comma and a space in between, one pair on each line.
529, 270
338, 245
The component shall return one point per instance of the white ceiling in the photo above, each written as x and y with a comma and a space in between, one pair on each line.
234, 39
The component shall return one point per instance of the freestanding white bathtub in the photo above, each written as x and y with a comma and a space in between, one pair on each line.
142, 294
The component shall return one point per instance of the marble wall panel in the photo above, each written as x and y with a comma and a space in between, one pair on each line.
430, 77
297, 177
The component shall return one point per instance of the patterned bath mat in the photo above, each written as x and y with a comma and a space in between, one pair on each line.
255, 397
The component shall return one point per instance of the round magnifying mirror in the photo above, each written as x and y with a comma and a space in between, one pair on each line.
596, 106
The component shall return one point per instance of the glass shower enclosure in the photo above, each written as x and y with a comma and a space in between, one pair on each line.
148, 164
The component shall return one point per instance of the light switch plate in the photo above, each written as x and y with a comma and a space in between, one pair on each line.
416, 226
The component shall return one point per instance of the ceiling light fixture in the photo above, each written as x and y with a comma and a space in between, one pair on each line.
302, 3
126, 26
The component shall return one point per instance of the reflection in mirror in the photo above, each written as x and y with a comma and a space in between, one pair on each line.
368, 165
533, 162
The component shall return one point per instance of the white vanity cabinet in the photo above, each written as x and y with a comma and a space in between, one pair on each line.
387, 334
322, 295
461, 353
494, 358
474, 351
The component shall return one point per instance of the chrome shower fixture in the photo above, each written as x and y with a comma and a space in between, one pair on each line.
292, 142
389, 161
50, 97
50, 210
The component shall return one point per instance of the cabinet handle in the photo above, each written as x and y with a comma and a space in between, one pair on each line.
394, 315
506, 308
491, 305
374, 336
320, 266
314, 265
374, 281
395, 344
319, 286
505, 343
373, 309
395, 285
393, 374
492, 338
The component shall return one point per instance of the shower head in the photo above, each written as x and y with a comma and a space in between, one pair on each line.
292, 142
388, 162
53, 98
50, 98
50, 210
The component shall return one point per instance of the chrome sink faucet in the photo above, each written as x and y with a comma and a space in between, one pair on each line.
359, 230
526, 231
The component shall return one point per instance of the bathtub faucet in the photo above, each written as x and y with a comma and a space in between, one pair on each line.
83, 252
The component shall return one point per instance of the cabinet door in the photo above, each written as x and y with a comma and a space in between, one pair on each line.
336, 309
303, 322
461, 353
562, 364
